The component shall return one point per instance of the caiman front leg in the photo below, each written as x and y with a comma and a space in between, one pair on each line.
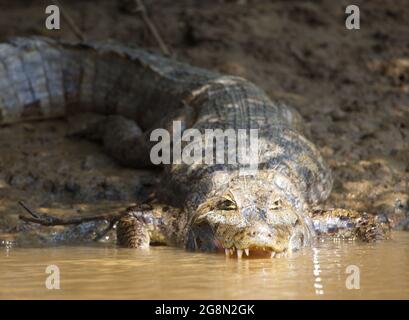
138, 227
133, 232
350, 224
148, 224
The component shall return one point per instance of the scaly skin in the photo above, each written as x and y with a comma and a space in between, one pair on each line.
154, 223
210, 207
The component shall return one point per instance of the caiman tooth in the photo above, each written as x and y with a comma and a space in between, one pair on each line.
247, 251
273, 254
239, 253
282, 254
231, 251
227, 251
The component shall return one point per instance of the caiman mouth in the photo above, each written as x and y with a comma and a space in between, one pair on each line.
247, 231
253, 252
201, 237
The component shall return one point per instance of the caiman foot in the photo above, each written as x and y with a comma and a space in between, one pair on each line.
145, 224
350, 224
132, 231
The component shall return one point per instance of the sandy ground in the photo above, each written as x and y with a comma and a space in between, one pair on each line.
352, 88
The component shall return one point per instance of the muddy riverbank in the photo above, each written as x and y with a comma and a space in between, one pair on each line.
351, 87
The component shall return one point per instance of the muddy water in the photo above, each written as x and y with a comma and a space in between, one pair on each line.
169, 273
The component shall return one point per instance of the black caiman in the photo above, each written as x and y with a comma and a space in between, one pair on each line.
202, 206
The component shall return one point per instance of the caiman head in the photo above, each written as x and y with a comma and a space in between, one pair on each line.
249, 217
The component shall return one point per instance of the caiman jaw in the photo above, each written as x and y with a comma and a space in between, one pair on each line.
248, 225
261, 240
254, 251
256, 243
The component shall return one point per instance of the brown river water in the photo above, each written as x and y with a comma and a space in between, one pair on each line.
350, 87
107, 272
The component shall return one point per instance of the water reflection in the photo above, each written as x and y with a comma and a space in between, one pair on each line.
171, 273
319, 287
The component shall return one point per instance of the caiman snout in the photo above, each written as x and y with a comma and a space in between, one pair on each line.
263, 240
249, 223
264, 237
242, 237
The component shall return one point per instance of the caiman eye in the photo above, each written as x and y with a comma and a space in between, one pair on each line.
277, 204
226, 204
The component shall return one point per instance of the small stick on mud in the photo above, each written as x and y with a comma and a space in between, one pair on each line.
75, 29
33, 213
47, 220
152, 28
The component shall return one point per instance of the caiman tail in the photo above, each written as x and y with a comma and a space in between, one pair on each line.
41, 78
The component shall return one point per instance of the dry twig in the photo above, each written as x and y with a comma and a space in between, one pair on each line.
152, 28
48, 220
75, 29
